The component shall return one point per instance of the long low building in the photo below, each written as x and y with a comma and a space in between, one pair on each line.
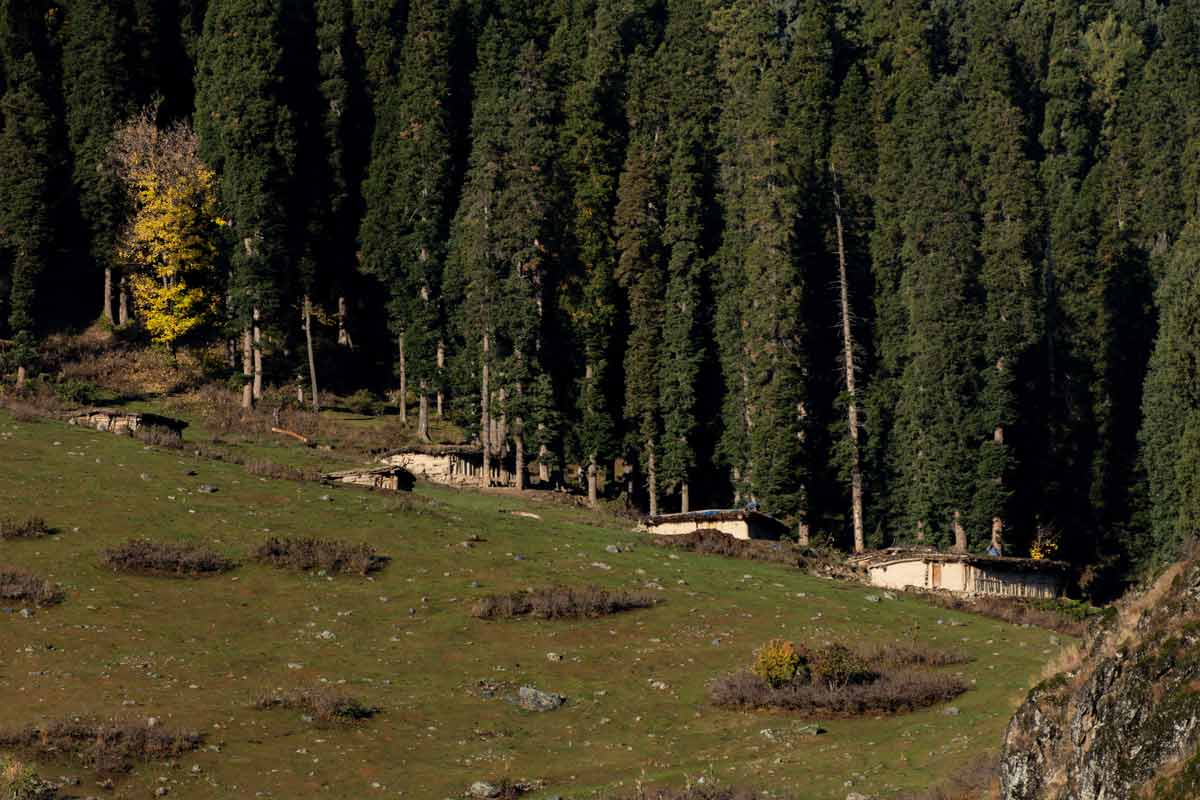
738, 523
451, 464
929, 570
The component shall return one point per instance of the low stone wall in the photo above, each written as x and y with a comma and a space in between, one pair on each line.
122, 423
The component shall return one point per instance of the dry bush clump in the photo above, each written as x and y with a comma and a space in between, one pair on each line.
700, 792
108, 748
978, 779
330, 555
908, 654
890, 693
142, 557
818, 561
159, 436
831, 680
26, 589
322, 704
35, 402
29, 528
562, 602
1062, 616
269, 469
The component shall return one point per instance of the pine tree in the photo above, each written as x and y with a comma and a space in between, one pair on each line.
406, 190
98, 93
248, 137
28, 182
687, 56
591, 131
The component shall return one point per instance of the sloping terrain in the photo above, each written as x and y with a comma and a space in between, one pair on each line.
198, 653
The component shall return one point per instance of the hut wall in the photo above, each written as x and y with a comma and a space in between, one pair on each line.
738, 529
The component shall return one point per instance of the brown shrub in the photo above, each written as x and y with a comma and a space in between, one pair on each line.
142, 557
159, 436
106, 747
330, 555
322, 704
906, 654
269, 469
892, 692
1061, 617
30, 528
26, 589
37, 401
694, 793
978, 779
562, 602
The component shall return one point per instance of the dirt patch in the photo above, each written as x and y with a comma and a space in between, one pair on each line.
329, 555
28, 590
561, 602
108, 748
143, 557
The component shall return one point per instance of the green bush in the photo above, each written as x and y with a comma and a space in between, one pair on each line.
363, 402
779, 662
18, 781
837, 666
77, 392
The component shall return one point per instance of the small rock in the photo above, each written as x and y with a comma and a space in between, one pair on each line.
950, 711
325, 498
162, 791
532, 699
483, 790
871, 598
145, 477
661, 686
810, 730
612, 548
206, 488
27, 612
327, 635
600, 565
554, 657
152, 722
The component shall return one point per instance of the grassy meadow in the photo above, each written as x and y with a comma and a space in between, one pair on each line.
197, 653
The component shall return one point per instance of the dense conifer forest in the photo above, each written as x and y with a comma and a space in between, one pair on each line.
895, 270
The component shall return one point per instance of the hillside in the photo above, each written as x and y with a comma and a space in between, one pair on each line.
197, 653
1123, 717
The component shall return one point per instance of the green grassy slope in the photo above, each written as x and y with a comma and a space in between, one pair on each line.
195, 653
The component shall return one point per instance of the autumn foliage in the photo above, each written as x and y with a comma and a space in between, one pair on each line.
169, 245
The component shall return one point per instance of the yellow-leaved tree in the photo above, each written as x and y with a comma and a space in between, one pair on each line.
169, 244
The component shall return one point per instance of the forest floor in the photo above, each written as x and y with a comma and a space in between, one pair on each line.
196, 653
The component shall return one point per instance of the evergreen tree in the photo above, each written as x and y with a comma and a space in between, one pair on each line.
406, 191
28, 182
99, 94
248, 137
687, 56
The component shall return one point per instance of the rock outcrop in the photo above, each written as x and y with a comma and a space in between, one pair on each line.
1124, 722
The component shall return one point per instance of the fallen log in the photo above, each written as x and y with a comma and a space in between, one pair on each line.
292, 434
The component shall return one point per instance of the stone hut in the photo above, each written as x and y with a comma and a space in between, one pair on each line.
123, 423
387, 478
738, 523
965, 574
452, 465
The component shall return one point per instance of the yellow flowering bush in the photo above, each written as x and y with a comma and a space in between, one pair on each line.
778, 662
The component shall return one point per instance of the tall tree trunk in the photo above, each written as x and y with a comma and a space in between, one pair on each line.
591, 481
998, 521
684, 499
21, 377
107, 311
802, 533
543, 462
258, 357
423, 414
247, 368
123, 309
519, 447
403, 383
920, 530
441, 365
652, 478
856, 476
960, 534
343, 339
485, 420
312, 360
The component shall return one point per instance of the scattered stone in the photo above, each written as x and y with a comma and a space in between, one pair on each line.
325, 498
810, 730
483, 790
152, 722
889, 595
526, 514
871, 598
145, 477
162, 791
950, 711
661, 686
554, 657
27, 612
532, 699
612, 548
206, 488
600, 565
327, 635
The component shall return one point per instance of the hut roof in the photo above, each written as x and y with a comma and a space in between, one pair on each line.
896, 555
721, 515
